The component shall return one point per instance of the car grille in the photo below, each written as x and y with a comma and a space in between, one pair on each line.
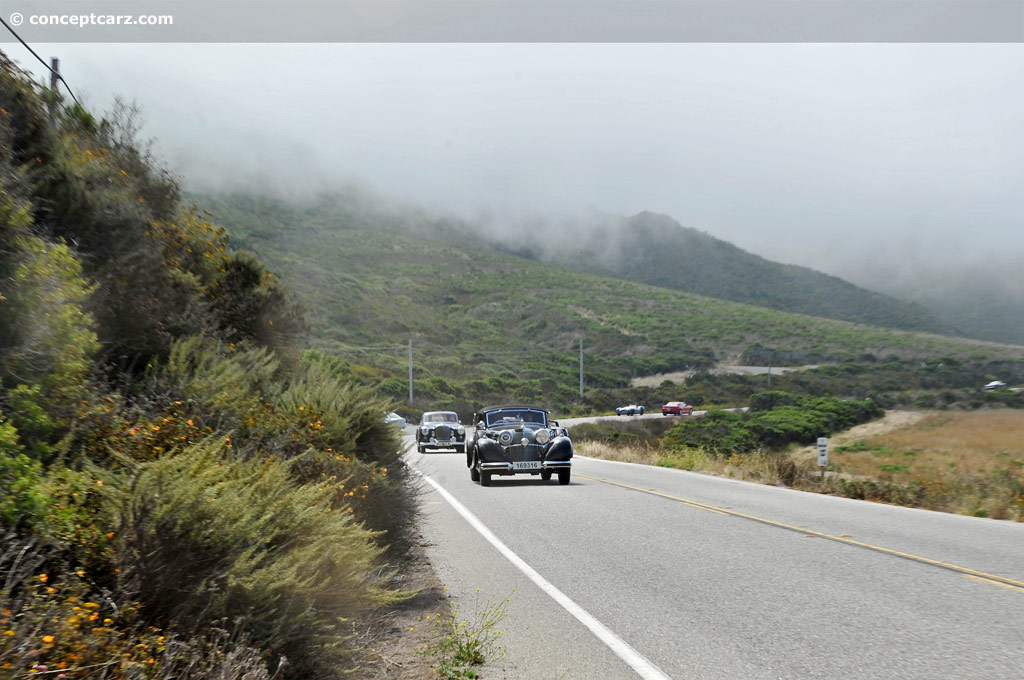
442, 433
518, 452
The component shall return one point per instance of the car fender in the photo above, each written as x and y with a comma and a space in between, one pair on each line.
488, 450
560, 449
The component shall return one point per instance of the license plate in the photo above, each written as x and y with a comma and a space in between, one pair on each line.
526, 465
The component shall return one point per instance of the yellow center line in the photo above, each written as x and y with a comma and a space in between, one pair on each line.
993, 583
993, 579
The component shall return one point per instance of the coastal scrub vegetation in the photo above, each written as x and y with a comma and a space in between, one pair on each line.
185, 491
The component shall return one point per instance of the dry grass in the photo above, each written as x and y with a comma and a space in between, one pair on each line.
972, 443
624, 453
757, 467
963, 462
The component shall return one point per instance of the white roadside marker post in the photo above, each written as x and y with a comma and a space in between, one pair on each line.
822, 456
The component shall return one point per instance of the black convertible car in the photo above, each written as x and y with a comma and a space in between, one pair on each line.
440, 430
510, 440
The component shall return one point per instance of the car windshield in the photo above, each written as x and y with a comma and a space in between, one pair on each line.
440, 418
516, 417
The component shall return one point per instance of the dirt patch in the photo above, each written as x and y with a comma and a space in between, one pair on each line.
891, 422
393, 642
591, 316
680, 377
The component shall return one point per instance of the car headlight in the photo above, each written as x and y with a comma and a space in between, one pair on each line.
424, 430
505, 438
542, 436
461, 430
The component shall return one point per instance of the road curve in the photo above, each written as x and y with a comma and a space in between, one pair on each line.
705, 577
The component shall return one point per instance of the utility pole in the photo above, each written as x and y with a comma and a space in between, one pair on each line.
51, 100
410, 371
581, 368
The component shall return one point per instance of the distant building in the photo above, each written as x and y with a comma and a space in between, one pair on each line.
995, 384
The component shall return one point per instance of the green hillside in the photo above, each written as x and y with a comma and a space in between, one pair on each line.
657, 250
486, 324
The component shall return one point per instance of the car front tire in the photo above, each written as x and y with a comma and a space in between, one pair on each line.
485, 478
474, 472
563, 477
545, 475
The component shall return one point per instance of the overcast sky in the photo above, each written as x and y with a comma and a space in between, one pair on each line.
805, 153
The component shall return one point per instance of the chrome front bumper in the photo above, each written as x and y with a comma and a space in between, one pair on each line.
444, 443
506, 468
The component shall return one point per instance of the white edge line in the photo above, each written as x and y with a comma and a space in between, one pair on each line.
644, 668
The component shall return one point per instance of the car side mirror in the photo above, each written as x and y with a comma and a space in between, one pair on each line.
553, 423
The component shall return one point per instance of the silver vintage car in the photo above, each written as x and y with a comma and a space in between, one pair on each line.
440, 430
515, 439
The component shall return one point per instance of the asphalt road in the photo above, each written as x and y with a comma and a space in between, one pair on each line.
635, 571
569, 422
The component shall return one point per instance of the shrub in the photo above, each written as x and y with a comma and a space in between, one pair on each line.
250, 303
55, 623
221, 382
206, 538
787, 424
345, 437
716, 431
20, 501
800, 420
394, 387
340, 415
51, 339
765, 401
36, 430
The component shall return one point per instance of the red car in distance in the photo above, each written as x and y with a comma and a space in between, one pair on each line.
676, 408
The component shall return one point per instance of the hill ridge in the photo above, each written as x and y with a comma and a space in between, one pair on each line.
656, 249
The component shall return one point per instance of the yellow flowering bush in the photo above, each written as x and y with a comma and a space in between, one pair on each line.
50, 627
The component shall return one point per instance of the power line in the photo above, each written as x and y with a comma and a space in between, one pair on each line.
42, 61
